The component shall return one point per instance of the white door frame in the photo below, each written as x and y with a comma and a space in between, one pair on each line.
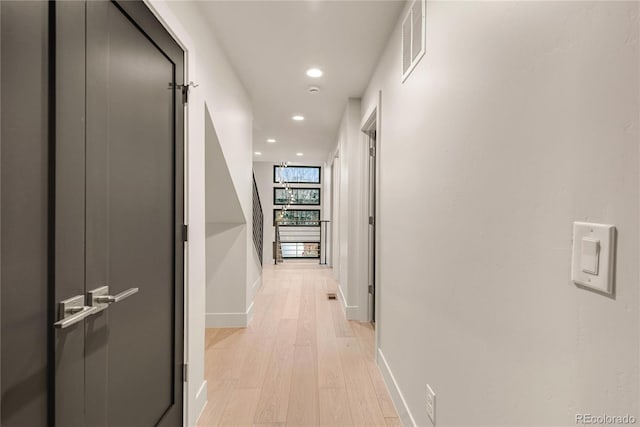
371, 121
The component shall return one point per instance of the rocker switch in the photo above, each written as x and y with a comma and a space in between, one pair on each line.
590, 255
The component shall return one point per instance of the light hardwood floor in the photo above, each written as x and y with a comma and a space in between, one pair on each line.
299, 363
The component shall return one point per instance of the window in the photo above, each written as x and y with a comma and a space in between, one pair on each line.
296, 196
296, 174
297, 217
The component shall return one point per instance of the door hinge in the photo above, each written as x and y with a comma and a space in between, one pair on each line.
371, 289
185, 232
184, 372
372, 221
185, 94
184, 90
372, 151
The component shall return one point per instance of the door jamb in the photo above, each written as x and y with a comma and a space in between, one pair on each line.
371, 121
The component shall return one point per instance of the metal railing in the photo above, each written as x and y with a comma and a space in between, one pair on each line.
277, 246
300, 240
258, 221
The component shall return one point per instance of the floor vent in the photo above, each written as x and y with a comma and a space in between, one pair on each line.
413, 37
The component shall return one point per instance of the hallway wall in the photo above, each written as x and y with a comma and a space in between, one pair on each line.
521, 118
350, 198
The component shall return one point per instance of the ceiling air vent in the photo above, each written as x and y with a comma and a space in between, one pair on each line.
413, 37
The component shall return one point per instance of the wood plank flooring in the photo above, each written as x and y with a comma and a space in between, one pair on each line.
299, 363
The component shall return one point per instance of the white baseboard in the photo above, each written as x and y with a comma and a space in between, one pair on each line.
200, 402
351, 312
229, 320
396, 394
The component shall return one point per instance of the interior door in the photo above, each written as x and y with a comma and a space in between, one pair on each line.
372, 225
118, 217
24, 211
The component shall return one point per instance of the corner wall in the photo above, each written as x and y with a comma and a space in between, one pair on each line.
349, 183
522, 118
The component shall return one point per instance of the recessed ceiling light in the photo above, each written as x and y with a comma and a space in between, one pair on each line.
314, 72
299, 154
258, 153
298, 118
271, 140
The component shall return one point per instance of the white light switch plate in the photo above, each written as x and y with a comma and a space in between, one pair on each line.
598, 276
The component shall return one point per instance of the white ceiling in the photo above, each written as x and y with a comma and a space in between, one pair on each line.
271, 44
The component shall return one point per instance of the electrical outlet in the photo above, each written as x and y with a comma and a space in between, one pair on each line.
431, 404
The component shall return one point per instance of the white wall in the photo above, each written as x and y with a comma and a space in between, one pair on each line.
334, 160
229, 283
522, 118
349, 202
230, 112
264, 179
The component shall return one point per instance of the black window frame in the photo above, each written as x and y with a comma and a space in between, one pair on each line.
319, 190
275, 179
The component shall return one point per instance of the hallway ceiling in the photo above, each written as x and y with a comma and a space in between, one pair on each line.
271, 44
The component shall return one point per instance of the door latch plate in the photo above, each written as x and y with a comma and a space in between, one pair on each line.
98, 292
70, 306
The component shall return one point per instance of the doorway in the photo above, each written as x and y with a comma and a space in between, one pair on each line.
108, 176
370, 130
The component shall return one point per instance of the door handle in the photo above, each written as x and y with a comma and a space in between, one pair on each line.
100, 298
116, 298
72, 311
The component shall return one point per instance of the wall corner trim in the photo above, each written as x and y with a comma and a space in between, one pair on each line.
257, 284
200, 402
394, 390
249, 313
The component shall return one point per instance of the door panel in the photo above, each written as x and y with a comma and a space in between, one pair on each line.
130, 192
24, 213
132, 213
131, 210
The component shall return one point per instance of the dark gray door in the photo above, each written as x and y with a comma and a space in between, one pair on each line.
133, 218
24, 213
92, 199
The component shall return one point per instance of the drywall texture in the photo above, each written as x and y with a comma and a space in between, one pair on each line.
521, 118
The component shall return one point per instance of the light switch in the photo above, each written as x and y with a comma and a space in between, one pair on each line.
590, 254
593, 260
